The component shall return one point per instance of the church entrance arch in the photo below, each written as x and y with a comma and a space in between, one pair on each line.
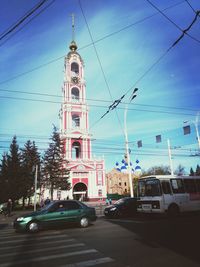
80, 192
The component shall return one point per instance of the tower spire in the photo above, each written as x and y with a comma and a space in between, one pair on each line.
73, 45
73, 27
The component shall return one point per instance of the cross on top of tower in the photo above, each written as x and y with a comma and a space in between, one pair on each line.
73, 46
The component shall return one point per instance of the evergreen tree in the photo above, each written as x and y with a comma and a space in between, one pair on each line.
191, 172
30, 158
198, 170
4, 179
55, 172
14, 172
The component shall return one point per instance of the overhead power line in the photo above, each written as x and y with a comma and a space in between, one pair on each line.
185, 31
25, 24
191, 6
88, 45
98, 100
150, 153
158, 60
100, 106
100, 64
18, 23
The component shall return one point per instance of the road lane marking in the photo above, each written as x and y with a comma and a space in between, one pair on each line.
89, 263
50, 257
42, 250
126, 221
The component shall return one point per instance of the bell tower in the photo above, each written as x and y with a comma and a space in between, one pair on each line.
87, 174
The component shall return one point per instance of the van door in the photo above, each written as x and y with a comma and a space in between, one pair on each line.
167, 194
180, 197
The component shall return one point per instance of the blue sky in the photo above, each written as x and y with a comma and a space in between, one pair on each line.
168, 94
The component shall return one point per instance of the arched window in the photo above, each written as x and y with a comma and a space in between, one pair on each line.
76, 150
75, 94
75, 121
75, 69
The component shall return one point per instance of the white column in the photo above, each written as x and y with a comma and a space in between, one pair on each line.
127, 152
170, 157
197, 130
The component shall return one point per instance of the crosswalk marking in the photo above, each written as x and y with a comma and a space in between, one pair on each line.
43, 249
35, 237
51, 257
46, 243
89, 262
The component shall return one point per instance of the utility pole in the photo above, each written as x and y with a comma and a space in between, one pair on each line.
197, 130
35, 187
170, 157
127, 153
126, 143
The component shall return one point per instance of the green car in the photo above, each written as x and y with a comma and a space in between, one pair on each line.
56, 213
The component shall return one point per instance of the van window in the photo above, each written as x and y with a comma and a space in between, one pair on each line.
152, 187
177, 186
190, 186
166, 187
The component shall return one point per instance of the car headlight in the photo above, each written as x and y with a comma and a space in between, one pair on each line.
112, 209
20, 219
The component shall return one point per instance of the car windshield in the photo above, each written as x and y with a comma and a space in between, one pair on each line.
149, 188
120, 201
47, 206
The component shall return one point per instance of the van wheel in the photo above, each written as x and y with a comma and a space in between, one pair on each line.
33, 227
84, 222
173, 210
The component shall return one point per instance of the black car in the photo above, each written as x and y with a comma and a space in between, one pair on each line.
124, 207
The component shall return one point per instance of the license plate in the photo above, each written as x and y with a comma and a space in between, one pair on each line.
146, 207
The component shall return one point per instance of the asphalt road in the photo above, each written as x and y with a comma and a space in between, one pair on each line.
139, 242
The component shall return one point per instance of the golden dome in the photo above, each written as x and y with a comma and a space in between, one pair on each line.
73, 46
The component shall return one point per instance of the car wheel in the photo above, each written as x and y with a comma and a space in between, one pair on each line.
33, 227
117, 214
173, 210
84, 222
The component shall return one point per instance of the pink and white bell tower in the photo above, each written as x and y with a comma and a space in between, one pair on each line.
87, 174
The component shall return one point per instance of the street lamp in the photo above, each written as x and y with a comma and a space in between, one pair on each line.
126, 142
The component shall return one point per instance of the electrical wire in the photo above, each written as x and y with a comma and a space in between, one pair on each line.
59, 102
18, 23
119, 153
25, 24
183, 31
96, 142
99, 61
190, 6
96, 100
159, 59
100, 106
88, 45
